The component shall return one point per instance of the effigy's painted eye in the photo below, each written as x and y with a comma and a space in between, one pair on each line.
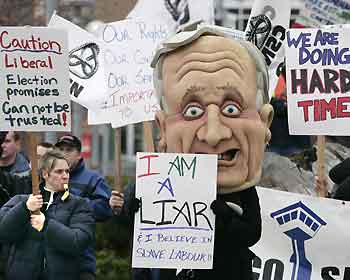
231, 110
193, 112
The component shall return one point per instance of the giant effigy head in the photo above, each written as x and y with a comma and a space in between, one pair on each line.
214, 94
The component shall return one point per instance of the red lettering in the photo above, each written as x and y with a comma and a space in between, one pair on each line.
342, 107
1, 40
305, 104
330, 106
149, 173
336, 107
316, 110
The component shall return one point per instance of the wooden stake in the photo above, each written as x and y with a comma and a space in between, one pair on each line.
147, 133
321, 144
34, 162
118, 181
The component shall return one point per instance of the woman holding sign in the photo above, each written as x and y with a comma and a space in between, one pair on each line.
47, 232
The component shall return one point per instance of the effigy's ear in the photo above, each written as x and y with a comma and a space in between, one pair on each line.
160, 120
266, 116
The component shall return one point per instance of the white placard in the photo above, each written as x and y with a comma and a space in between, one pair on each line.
175, 226
303, 237
174, 13
35, 80
88, 85
316, 13
266, 28
130, 45
318, 81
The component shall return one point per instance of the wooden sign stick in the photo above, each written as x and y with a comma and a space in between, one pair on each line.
34, 162
147, 133
118, 182
321, 143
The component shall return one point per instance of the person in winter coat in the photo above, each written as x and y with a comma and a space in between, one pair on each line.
47, 232
12, 160
82, 182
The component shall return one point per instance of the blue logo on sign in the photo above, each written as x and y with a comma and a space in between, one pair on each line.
299, 223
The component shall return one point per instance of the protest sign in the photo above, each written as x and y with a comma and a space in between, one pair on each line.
316, 13
303, 237
35, 80
266, 29
173, 13
88, 85
130, 45
174, 227
318, 81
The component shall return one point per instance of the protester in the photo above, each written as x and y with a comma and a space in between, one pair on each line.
88, 184
215, 92
83, 182
11, 160
47, 245
13, 184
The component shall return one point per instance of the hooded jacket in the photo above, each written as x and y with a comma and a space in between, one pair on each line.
54, 252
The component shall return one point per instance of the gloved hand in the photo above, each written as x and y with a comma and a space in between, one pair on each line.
220, 208
225, 215
135, 205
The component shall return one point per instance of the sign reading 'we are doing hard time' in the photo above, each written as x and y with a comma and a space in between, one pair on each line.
318, 81
35, 79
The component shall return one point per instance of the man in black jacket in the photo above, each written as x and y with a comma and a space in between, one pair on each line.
47, 232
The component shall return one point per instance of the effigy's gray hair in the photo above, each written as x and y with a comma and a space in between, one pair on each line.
182, 39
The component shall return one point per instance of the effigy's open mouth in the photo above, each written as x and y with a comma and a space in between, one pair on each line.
228, 156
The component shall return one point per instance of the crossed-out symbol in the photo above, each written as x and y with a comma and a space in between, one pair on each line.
259, 29
177, 9
83, 60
